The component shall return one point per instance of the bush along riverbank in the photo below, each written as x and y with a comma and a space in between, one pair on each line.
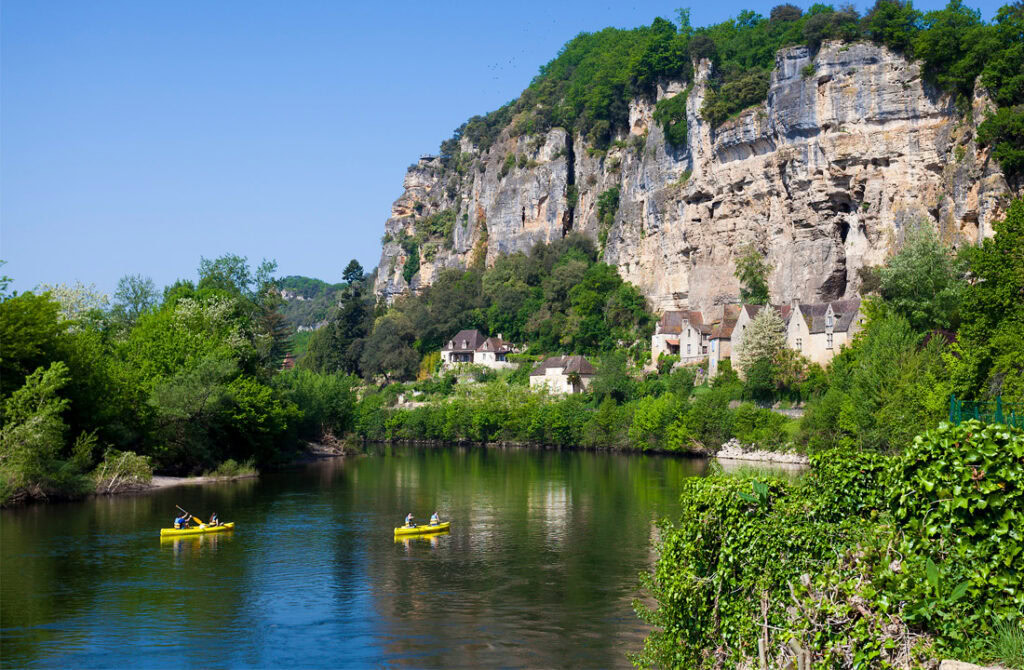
867, 561
667, 415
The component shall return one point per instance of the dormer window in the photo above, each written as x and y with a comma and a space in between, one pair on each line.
828, 320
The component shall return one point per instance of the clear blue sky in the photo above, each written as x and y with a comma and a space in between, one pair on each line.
137, 136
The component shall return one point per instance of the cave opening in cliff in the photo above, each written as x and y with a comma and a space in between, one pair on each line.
572, 194
844, 231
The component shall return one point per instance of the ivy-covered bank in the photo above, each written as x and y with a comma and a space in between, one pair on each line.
870, 561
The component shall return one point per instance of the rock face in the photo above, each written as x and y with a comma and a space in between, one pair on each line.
850, 148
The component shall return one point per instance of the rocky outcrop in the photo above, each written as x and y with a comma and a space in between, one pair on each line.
850, 148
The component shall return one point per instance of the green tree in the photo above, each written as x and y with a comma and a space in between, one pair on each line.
924, 281
762, 341
32, 439
32, 335
612, 379
987, 358
353, 272
892, 23
134, 296
388, 349
752, 271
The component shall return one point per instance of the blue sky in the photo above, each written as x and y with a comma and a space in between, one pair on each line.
136, 137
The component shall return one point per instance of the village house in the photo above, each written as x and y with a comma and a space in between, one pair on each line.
816, 330
819, 330
563, 374
471, 347
681, 333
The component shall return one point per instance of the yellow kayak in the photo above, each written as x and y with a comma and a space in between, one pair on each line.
196, 530
420, 530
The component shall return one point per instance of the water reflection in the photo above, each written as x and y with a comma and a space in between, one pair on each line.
538, 568
196, 545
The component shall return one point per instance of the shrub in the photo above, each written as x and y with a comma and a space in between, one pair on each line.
670, 114
121, 471
506, 167
231, 468
958, 491
754, 425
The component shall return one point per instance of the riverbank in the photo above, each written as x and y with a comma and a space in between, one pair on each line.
733, 450
162, 482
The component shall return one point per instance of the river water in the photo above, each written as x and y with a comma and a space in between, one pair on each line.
539, 569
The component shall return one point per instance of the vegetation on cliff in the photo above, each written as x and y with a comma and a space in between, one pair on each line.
588, 87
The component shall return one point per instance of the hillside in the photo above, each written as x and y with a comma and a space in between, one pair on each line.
817, 136
307, 301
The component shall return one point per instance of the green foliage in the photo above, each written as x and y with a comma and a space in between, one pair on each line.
761, 344
727, 549
851, 564
807, 71
121, 471
754, 425
135, 295
32, 439
988, 357
572, 196
231, 468
1007, 644
508, 165
32, 335
607, 207
734, 96
893, 23
670, 114
327, 401
317, 299
439, 225
752, 271
1004, 132
923, 282
959, 493
412, 262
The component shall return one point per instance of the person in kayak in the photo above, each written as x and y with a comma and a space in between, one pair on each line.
409, 521
182, 521
214, 521
435, 519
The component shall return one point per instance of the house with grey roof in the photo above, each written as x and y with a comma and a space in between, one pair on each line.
563, 374
471, 347
819, 330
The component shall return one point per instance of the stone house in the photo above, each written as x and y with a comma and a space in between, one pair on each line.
471, 347
681, 333
819, 330
555, 372
816, 330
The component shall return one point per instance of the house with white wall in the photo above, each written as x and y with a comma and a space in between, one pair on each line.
819, 330
559, 374
681, 333
471, 347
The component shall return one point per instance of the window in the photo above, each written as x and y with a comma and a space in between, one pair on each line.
687, 349
799, 344
712, 345
828, 320
687, 332
828, 340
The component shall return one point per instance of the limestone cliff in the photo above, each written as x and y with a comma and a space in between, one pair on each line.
849, 148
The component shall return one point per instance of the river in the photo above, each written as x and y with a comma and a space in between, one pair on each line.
539, 569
